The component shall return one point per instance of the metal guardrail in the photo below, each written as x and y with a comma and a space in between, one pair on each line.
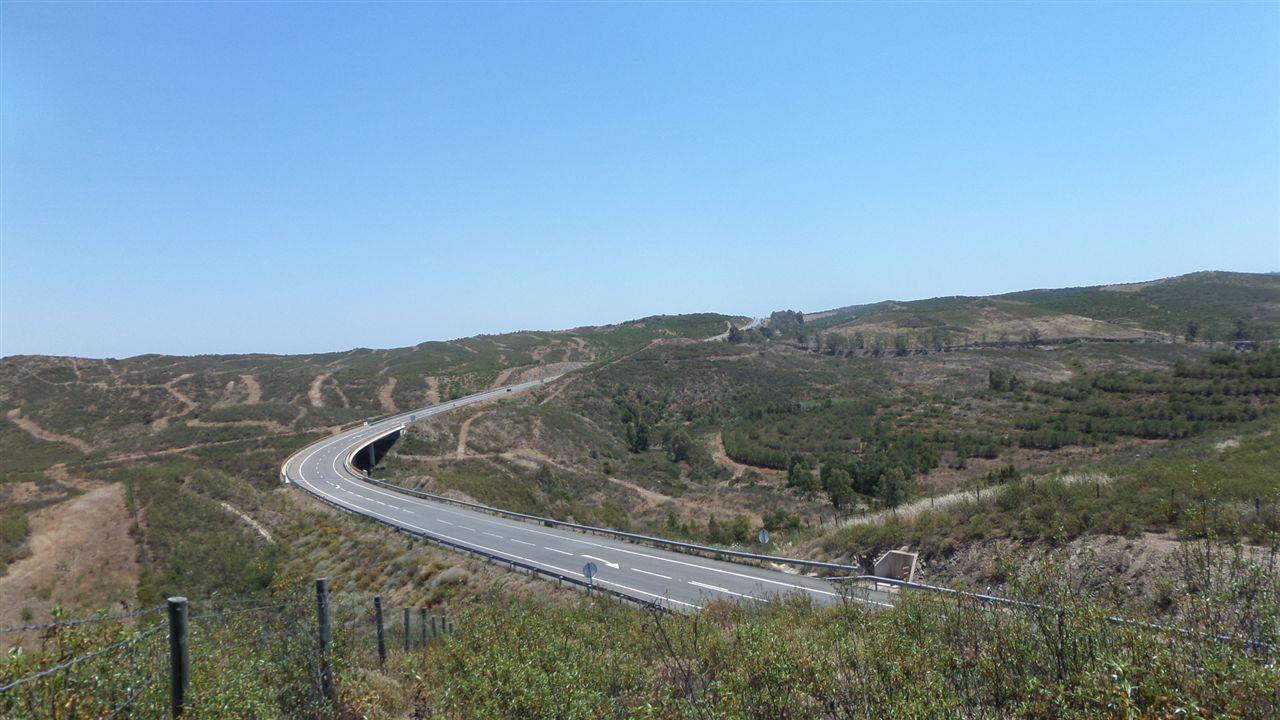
994, 599
552, 522
1254, 645
491, 557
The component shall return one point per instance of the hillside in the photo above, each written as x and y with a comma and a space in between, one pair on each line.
196, 442
1045, 444
1211, 307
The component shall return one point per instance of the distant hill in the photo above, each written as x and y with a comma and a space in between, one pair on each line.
1217, 306
64, 409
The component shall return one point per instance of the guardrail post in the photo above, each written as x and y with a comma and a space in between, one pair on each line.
382, 638
179, 656
407, 618
325, 628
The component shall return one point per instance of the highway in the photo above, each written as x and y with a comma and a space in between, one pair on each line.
722, 337
677, 581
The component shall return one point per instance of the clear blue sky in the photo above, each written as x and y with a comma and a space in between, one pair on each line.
298, 177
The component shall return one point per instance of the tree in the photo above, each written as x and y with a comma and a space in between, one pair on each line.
1242, 331
1003, 474
637, 436
543, 476
673, 521
735, 335
843, 497
1192, 331
780, 519
800, 478
714, 532
900, 345
938, 338
839, 487
892, 487
1003, 380
678, 444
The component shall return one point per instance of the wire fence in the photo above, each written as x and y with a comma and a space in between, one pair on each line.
217, 658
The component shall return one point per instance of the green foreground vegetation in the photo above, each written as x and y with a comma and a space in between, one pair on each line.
930, 656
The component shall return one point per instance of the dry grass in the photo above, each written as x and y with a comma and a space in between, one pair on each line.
81, 556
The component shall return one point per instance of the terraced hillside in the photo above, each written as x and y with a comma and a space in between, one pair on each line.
656, 430
193, 444
1068, 459
712, 442
1210, 307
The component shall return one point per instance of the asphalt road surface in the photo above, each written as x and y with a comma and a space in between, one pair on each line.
676, 580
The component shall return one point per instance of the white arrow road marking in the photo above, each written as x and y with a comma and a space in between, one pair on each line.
615, 566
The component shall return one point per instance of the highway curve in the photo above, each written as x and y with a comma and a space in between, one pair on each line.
674, 580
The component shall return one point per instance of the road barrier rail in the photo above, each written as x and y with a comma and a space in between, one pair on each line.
1256, 646
684, 547
512, 563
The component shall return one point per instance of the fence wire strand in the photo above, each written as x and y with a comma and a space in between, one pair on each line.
253, 650
83, 658
96, 619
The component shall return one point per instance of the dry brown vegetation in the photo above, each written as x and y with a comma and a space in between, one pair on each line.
192, 447
81, 555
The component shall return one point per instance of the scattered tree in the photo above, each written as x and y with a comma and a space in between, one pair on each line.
1003, 380
637, 436
893, 487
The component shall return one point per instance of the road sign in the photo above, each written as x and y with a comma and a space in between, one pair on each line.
589, 570
763, 537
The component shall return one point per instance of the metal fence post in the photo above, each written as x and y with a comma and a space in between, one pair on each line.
179, 656
326, 638
382, 638
407, 617
422, 615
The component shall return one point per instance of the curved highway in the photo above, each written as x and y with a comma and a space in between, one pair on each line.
675, 580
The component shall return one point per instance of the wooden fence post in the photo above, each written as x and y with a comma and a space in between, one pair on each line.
382, 638
406, 628
422, 616
325, 628
179, 656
